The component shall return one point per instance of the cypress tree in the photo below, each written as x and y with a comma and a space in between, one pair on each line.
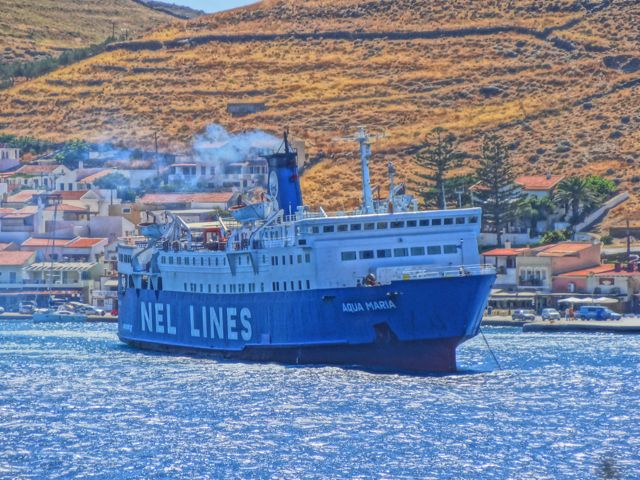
437, 157
498, 192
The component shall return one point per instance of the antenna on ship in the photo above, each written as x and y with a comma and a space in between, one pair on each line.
364, 140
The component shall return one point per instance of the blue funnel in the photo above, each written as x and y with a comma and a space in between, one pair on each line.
284, 180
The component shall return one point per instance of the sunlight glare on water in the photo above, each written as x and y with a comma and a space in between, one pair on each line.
76, 403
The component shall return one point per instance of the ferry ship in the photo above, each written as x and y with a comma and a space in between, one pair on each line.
386, 287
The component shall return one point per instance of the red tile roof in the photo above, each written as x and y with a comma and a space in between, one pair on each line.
65, 207
563, 249
15, 258
606, 269
539, 182
37, 169
44, 242
204, 197
4, 246
504, 252
71, 194
23, 196
96, 176
83, 242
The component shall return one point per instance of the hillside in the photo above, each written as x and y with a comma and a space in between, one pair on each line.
35, 28
179, 11
560, 80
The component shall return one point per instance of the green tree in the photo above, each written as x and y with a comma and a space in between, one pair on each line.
72, 152
555, 236
497, 192
458, 187
573, 193
113, 181
533, 209
438, 156
601, 186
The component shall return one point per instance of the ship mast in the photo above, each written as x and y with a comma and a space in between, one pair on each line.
365, 152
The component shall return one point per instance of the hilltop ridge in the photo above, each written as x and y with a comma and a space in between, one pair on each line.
38, 28
559, 80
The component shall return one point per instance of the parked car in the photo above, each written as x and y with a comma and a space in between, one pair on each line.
596, 312
523, 315
550, 314
27, 308
91, 310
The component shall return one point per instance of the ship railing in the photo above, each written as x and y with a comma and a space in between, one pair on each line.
447, 271
136, 241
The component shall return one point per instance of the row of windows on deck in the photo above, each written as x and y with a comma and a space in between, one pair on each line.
222, 260
354, 227
399, 252
284, 286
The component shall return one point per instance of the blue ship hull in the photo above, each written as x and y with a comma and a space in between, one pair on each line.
410, 326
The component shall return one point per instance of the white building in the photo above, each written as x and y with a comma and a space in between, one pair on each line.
9, 157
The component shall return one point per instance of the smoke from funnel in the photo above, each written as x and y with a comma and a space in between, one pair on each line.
217, 147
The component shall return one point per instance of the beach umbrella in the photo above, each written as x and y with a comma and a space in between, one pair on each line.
571, 300
605, 300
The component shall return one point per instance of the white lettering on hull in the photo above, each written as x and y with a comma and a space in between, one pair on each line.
356, 307
228, 323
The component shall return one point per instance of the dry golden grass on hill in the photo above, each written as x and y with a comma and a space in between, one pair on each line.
565, 107
34, 28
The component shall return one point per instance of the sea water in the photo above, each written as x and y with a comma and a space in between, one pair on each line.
76, 403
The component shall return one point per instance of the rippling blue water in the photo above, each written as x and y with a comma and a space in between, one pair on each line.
75, 403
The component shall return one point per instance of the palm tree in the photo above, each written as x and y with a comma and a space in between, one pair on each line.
573, 192
533, 209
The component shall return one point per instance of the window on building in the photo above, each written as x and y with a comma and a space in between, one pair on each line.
460, 220
179, 260
366, 254
299, 284
307, 257
450, 249
397, 224
308, 285
348, 256
412, 223
384, 253
473, 219
436, 221
356, 227
369, 226
328, 229
448, 221
417, 251
343, 228
400, 252
315, 229
381, 225
299, 258
424, 223
434, 250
